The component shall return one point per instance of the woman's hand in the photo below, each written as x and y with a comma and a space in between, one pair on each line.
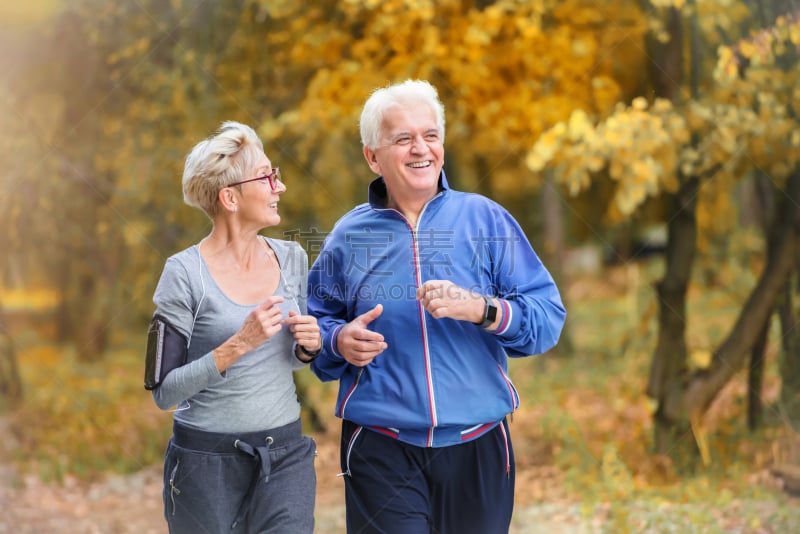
305, 330
260, 324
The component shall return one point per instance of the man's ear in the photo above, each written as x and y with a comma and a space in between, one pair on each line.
372, 160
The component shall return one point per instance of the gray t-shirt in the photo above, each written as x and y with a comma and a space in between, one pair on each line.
255, 393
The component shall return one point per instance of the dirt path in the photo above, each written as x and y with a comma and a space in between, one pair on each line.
131, 504
116, 504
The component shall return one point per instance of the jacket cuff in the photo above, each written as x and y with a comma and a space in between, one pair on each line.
331, 344
510, 320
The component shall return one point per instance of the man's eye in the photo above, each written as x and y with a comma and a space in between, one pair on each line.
402, 140
432, 137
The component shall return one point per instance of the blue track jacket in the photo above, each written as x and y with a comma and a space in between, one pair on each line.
440, 382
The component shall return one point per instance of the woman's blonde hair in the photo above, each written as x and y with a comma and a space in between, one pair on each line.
228, 156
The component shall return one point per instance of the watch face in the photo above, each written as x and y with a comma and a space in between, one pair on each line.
491, 312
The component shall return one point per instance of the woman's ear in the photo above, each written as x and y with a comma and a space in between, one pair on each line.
228, 199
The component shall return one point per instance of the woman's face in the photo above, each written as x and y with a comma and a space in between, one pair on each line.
258, 201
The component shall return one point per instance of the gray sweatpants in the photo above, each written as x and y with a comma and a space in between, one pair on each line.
246, 483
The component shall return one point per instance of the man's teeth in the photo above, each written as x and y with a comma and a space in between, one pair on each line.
419, 165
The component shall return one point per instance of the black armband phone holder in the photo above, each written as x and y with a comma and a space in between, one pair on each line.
166, 350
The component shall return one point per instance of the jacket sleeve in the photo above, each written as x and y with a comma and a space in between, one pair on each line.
326, 302
533, 313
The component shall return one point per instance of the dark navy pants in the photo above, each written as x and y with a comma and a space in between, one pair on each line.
392, 487
240, 483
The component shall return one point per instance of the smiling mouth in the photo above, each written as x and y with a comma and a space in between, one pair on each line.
420, 164
273, 205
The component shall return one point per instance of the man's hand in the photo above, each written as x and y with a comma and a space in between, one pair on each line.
356, 343
443, 298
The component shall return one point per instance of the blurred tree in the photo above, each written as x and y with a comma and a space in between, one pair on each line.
10, 380
690, 145
58, 96
110, 97
18, 203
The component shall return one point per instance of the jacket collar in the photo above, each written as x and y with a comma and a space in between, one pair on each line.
378, 195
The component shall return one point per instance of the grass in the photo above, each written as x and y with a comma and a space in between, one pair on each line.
84, 419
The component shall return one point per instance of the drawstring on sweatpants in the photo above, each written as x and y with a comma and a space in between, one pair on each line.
261, 457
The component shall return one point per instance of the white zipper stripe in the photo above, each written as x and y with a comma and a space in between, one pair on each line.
472, 429
350, 445
426, 345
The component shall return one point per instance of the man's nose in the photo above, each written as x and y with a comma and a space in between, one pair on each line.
418, 144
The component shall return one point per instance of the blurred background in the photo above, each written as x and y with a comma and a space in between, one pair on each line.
650, 150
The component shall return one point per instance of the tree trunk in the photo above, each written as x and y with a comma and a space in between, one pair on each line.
10, 380
790, 360
669, 366
62, 317
95, 321
703, 386
763, 203
666, 67
755, 378
789, 366
669, 359
553, 250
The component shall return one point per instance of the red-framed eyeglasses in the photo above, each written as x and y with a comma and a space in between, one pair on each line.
273, 178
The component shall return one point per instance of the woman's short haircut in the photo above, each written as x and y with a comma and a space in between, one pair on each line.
228, 156
392, 96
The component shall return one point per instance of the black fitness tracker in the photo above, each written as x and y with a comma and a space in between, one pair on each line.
489, 313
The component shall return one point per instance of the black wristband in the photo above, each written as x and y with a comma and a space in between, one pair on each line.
311, 354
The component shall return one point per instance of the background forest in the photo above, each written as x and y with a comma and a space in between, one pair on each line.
650, 149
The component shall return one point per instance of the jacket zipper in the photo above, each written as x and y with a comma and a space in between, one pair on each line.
425, 346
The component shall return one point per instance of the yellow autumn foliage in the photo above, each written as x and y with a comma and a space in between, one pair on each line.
742, 122
504, 77
635, 144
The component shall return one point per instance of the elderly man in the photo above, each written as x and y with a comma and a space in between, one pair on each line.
421, 295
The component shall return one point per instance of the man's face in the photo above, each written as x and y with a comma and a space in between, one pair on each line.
411, 153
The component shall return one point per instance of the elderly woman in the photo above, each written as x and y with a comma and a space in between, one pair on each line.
237, 460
